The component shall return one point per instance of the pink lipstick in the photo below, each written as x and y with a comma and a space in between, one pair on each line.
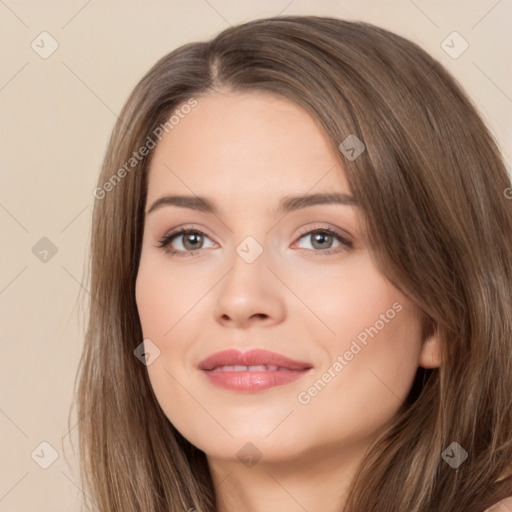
254, 370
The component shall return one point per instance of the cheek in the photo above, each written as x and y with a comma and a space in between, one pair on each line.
356, 301
165, 303
384, 352
154, 303
373, 348
165, 298
374, 375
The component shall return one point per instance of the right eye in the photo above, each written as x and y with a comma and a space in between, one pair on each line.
191, 239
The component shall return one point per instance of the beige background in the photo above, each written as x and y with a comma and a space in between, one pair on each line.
56, 116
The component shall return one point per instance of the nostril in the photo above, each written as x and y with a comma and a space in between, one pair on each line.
260, 315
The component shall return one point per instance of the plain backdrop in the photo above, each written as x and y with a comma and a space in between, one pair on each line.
56, 113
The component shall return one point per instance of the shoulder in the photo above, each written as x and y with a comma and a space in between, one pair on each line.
502, 506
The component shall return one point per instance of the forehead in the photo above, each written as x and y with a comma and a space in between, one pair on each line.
245, 143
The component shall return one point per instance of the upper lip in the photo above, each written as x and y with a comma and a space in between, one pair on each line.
254, 357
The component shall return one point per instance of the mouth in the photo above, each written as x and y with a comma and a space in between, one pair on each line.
254, 368
251, 371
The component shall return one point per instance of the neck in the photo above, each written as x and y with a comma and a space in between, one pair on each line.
317, 480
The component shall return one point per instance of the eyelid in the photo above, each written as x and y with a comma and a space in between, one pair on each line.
187, 227
342, 233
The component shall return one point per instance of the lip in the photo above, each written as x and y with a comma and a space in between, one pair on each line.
288, 370
252, 357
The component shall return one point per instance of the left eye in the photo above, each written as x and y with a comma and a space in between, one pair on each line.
322, 239
319, 238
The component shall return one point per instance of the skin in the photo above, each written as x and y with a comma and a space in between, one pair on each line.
245, 151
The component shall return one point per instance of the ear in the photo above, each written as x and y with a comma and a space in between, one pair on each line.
430, 354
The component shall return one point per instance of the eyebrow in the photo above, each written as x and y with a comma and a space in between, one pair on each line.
287, 203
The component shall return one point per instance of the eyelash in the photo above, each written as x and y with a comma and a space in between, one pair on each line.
167, 239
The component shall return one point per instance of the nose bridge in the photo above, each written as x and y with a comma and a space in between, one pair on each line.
250, 249
255, 247
250, 236
248, 263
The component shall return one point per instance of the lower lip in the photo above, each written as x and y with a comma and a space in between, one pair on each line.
253, 381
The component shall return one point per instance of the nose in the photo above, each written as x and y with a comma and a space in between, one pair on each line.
250, 293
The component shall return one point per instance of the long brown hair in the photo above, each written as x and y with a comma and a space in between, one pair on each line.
430, 184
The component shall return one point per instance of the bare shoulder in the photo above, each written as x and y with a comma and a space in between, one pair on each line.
502, 506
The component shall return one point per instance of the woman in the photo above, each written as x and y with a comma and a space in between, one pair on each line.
228, 366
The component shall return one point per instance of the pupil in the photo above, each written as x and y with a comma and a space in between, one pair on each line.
190, 238
319, 237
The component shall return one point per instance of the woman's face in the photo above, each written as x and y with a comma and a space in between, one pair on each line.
253, 275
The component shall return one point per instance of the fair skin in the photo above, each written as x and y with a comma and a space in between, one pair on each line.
245, 152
